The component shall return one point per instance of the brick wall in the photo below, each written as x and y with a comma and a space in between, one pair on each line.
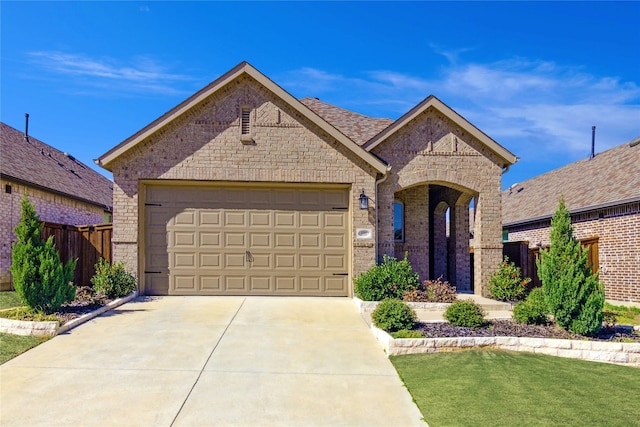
206, 144
618, 233
50, 207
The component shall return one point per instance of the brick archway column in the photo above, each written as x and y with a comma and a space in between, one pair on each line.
487, 235
460, 234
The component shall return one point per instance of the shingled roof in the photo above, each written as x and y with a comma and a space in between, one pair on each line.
37, 164
357, 127
610, 178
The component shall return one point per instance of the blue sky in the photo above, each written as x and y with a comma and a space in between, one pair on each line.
535, 76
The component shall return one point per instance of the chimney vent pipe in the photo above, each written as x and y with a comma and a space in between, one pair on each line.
593, 142
26, 127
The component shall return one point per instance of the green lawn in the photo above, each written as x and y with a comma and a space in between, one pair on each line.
501, 388
9, 299
625, 315
13, 345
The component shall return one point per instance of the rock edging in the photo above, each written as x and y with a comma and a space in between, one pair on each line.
52, 328
627, 354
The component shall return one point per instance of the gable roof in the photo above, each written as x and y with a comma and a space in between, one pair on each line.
242, 68
39, 165
358, 127
433, 102
610, 178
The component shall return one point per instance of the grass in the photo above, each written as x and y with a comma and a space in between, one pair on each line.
25, 313
9, 299
502, 388
625, 315
13, 345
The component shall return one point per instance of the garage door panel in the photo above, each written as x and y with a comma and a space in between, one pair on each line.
234, 261
285, 220
210, 283
311, 284
184, 260
209, 260
210, 239
184, 283
260, 219
209, 218
234, 218
235, 283
260, 240
235, 240
285, 284
247, 240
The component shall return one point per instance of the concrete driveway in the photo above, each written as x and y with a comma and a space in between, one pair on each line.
210, 361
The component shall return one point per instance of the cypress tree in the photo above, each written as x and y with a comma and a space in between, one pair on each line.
573, 292
41, 280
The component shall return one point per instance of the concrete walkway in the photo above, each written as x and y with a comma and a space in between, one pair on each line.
210, 361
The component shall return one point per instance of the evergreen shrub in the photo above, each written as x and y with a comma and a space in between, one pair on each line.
573, 292
113, 280
390, 279
41, 280
506, 283
393, 315
465, 313
533, 310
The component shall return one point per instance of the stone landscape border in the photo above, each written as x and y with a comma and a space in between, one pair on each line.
24, 327
619, 353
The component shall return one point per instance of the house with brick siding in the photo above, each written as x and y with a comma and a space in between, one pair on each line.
243, 189
603, 195
62, 189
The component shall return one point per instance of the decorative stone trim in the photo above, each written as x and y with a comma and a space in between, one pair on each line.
52, 328
367, 306
626, 354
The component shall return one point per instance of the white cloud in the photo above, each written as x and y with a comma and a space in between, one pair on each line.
141, 74
521, 103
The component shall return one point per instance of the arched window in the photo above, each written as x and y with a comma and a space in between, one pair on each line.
398, 221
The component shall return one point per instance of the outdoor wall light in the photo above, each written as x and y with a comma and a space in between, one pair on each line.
364, 201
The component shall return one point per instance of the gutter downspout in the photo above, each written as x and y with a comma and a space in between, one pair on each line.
378, 182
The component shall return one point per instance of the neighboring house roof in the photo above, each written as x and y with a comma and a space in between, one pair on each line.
39, 165
433, 102
358, 127
243, 68
611, 178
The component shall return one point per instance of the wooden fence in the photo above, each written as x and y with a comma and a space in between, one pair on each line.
87, 243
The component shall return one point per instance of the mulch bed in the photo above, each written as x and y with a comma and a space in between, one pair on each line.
509, 328
87, 300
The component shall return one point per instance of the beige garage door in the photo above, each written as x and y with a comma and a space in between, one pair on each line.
246, 241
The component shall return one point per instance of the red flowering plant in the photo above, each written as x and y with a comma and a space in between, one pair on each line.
507, 284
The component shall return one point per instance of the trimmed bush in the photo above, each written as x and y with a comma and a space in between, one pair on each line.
465, 313
506, 284
113, 280
393, 315
41, 280
573, 293
533, 310
406, 333
432, 291
391, 279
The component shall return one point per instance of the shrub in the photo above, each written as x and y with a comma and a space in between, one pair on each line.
465, 313
533, 310
391, 279
113, 280
393, 315
40, 279
406, 333
506, 283
574, 294
431, 291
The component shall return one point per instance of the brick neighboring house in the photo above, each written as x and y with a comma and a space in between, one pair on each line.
244, 190
62, 189
603, 196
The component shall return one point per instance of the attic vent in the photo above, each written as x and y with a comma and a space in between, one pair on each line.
245, 125
246, 121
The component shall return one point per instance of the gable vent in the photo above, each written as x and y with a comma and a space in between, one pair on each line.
246, 121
